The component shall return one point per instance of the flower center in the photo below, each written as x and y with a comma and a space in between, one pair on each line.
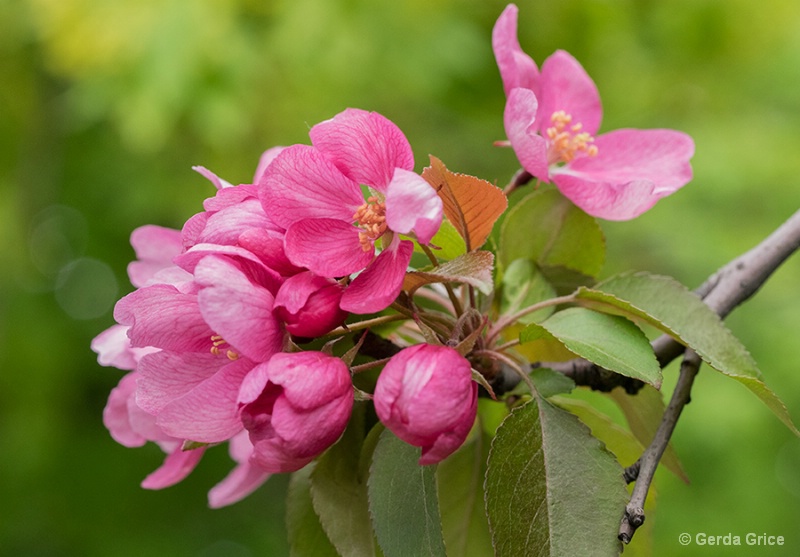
371, 219
219, 345
567, 140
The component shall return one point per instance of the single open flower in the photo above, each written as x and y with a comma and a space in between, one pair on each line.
315, 193
425, 395
551, 120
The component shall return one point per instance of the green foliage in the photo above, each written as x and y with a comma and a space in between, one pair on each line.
339, 492
671, 307
610, 341
403, 492
551, 488
459, 480
306, 535
548, 229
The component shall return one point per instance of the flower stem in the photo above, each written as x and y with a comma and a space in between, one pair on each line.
450, 293
509, 320
366, 324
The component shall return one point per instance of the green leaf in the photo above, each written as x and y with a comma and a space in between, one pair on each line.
610, 341
547, 228
672, 308
551, 488
473, 268
524, 285
460, 487
446, 244
403, 501
625, 446
643, 411
306, 536
549, 382
339, 492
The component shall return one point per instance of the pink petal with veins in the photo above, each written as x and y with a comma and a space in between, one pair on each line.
380, 283
365, 146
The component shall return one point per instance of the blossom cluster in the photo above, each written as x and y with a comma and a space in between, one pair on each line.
320, 242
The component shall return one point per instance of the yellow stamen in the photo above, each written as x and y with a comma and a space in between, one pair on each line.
217, 342
371, 219
567, 140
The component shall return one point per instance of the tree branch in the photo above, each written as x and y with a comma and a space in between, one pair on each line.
726, 289
644, 469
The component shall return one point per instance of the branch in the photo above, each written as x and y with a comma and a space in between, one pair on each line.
726, 289
644, 469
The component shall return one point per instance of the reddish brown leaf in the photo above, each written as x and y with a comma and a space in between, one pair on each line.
472, 205
473, 268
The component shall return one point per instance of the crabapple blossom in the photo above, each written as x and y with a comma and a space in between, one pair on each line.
551, 119
425, 395
295, 406
314, 193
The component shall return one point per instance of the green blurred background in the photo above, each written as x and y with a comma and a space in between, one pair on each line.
105, 106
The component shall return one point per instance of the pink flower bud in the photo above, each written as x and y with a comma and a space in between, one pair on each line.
295, 406
309, 305
426, 396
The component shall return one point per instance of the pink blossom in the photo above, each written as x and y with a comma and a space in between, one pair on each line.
308, 304
426, 396
551, 120
314, 193
295, 406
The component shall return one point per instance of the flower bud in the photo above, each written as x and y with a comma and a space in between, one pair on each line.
309, 305
295, 406
425, 395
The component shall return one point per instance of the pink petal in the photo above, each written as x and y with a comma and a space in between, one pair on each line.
327, 247
192, 229
447, 443
238, 310
115, 414
113, 348
380, 283
161, 316
177, 466
519, 118
267, 245
566, 86
310, 379
247, 262
166, 376
155, 247
264, 161
517, 69
225, 226
301, 183
365, 146
208, 413
218, 182
307, 434
632, 170
243, 480
411, 203
230, 196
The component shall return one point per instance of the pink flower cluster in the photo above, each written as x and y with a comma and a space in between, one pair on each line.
210, 337
209, 334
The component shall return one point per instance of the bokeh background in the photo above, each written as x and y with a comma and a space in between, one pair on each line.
105, 106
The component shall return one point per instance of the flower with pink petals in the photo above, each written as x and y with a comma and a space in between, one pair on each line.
295, 406
314, 192
551, 120
426, 396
